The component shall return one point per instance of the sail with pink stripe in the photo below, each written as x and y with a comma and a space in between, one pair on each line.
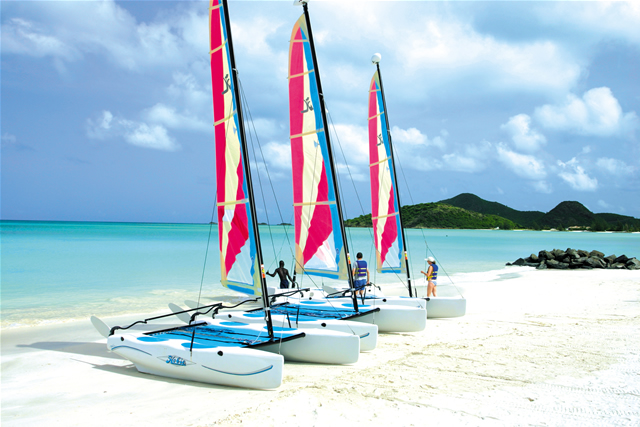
239, 263
319, 243
384, 201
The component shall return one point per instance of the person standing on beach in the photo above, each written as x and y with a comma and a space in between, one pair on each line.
432, 277
360, 274
283, 273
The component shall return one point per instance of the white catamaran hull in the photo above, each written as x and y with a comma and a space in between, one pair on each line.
390, 318
318, 346
437, 307
367, 332
395, 318
380, 301
231, 366
445, 307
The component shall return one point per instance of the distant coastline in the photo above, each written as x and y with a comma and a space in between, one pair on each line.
465, 211
468, 211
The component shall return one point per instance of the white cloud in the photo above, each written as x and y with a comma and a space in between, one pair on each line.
576, 177
187, 91
522, 165
68, 31
452, 45
23, 37
472, 158
542, 187
152, 131
413, 136
354, 141
436, 46
596, 113
599, 19
278, 155
267, 128
461, 163
250, 35
268, 172
169, 117
99, 128
352, 172
604, 204
8, 139
523, 136
153, 136
614, 166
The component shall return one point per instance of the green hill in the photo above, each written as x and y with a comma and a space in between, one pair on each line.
440, 215
471, 202
568, 214
616, 222
470, 211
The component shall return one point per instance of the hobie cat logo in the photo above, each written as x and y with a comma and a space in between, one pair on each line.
227, 84
175, 360
308, 106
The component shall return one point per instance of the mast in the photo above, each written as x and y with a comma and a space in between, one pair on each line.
376, 60
330, 154
247, 168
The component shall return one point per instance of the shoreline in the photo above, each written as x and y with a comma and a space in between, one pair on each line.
560, 351
449, 286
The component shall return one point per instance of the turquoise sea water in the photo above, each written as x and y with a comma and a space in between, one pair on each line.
54, 271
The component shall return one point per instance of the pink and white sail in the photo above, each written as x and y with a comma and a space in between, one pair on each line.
238, 261
319, 244
384, 202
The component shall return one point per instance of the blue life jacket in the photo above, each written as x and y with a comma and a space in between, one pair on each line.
361, 269
434, 273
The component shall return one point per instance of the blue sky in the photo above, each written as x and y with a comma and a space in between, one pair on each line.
107, 112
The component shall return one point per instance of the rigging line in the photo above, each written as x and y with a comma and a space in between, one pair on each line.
396, 154
333, 127
206, 254
213, 212
253, 134
275, 198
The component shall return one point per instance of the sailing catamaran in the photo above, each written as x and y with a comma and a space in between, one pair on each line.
390, 240
389, 235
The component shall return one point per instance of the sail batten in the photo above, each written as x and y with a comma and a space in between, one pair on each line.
320, 248
240, 269
387, 226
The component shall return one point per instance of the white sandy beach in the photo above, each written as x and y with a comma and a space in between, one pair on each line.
535, 348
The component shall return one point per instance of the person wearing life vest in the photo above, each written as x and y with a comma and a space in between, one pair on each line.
360, 274
432, 277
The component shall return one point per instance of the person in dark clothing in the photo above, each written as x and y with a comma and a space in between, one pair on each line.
283, 273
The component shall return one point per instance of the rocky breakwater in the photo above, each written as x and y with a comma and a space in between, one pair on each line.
576, 258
